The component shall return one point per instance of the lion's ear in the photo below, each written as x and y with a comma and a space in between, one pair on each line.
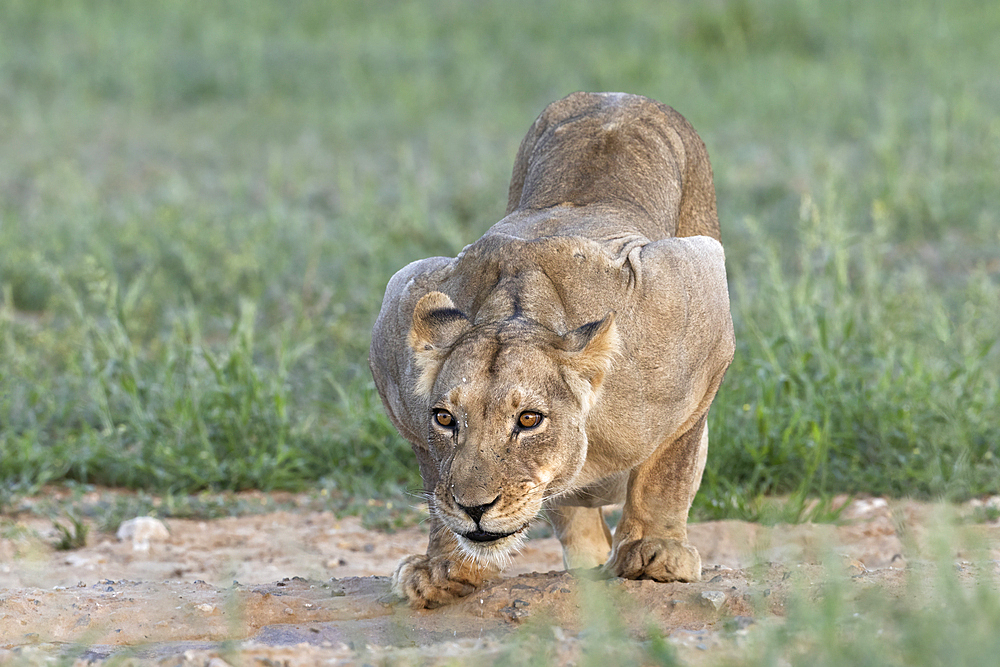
590, 352
437, 324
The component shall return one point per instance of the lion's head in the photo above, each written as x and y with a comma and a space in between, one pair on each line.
507, 409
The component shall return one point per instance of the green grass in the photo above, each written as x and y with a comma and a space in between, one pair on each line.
201, 205
71, 536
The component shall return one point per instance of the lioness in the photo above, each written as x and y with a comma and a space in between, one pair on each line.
568, 358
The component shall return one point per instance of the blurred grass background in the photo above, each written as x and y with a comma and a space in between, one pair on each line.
201, 203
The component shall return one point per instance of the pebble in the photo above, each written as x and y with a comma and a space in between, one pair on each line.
714, 599
142, 530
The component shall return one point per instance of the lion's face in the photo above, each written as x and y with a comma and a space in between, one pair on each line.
508, 404
505, 430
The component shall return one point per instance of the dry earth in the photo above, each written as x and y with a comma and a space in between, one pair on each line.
307, 587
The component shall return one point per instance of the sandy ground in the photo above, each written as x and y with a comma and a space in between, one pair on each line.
307, 587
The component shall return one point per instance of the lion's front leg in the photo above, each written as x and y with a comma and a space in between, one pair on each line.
441, 576
444, 574
650, 541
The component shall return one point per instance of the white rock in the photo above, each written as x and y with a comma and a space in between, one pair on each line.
713, 599
76, 560
142, 530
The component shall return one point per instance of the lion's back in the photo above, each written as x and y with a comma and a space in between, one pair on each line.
626, 151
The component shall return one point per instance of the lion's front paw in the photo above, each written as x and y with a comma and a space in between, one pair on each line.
432, 581
657, 559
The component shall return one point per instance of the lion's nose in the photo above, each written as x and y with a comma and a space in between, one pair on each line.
476, 512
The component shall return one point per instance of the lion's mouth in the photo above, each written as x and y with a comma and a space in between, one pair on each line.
487, 536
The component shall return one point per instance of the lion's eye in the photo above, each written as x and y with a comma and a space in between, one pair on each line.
529, 419
444, 418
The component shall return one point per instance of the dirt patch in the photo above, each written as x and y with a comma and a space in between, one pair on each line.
310, 587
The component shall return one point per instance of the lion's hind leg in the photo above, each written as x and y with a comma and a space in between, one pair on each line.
584, 535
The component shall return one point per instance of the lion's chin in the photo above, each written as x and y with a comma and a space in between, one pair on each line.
492, 550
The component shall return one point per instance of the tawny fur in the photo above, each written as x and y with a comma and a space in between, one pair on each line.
600, 303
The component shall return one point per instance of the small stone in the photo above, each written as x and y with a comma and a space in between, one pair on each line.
513, 613
76, 560
142, 530
714, 599
854, 566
